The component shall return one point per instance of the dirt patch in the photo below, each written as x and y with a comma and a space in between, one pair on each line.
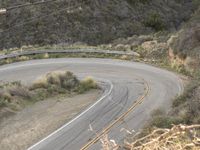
33, 123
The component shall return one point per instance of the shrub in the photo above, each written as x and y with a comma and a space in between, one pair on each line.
2, 103
20, 92
134, 2
39, 83
163, 121
40, 94
52, 89
87, 84
157, 112
180, 100
5, 97
62, 79
53, 79
196, 3
68, 80
155, 21
59, 82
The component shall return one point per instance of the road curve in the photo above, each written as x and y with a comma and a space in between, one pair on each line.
131, 85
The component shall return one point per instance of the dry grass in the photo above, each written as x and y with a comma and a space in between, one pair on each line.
179, 137
20, 91
63, 79
51, 84
41, 82
106, 143
10, 92
87, 84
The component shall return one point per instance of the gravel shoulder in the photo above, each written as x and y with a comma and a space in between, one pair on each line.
33, 123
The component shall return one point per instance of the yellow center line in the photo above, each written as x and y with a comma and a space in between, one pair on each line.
104, 131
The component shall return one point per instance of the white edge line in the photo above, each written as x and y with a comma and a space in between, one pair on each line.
111, 88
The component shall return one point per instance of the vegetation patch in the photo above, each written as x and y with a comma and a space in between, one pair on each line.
15, 95
90, 21
185, 110
177, 129
155, 21
179, 137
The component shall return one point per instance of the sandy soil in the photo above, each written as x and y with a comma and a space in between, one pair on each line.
28, 126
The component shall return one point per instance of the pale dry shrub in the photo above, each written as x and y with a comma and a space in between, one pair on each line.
62, 79
54, 77
179, 137
106, 143
22, 58
87, 83
20, 91
46, 55
41, 82
5, 97
69, 81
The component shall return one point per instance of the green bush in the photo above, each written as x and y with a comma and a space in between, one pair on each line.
188, 93
179, 100
3, 103
134, 2
161, 122
5, 98
155, 21
40, 94
86, 84
196, 3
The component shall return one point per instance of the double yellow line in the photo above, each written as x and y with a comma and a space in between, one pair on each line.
106, 130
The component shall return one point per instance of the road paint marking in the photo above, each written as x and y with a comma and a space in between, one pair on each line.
104, 131
77, 117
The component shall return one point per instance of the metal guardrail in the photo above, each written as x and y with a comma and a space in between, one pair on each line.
70, 51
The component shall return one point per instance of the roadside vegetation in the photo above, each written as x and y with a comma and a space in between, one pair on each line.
171, 129
183, 56
185, 109
179, 137
179, 128
178, 51
15, 95
88, 21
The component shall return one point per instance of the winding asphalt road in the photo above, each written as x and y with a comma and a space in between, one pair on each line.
133, 90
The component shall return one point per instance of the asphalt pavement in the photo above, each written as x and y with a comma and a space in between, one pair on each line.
127, 84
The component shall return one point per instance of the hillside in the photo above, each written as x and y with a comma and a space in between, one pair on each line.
91, 21
163, 33
185, 45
